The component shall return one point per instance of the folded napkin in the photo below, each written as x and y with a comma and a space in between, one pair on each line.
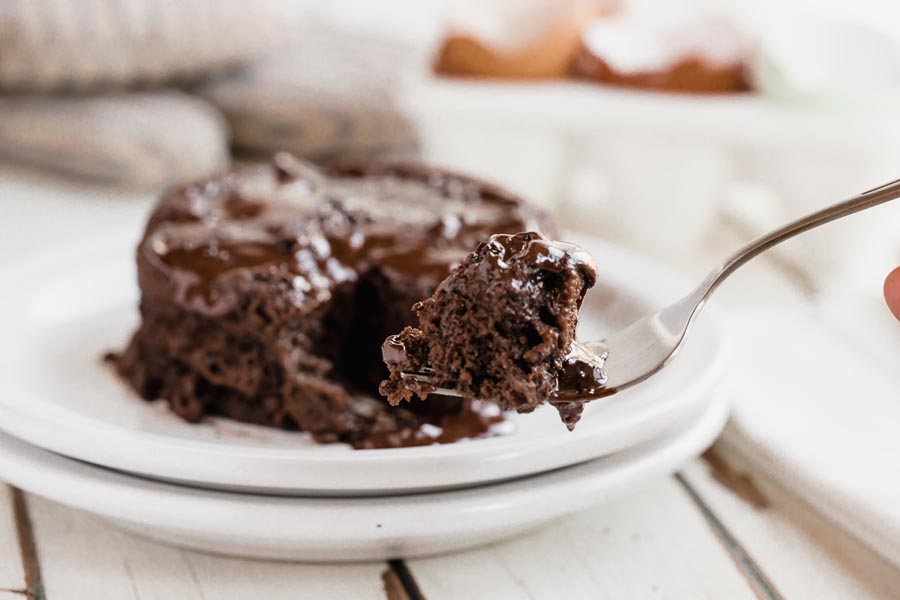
819, 412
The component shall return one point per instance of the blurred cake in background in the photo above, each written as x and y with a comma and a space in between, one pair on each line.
648, 50
519, 39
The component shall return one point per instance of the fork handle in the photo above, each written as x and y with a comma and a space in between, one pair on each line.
874, 197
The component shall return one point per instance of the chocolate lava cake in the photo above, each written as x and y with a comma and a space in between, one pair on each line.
266, 293
501, 326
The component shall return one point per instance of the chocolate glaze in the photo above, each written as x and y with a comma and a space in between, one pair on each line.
393, 351
581, 376
393, 218
266, 290
239, 208
195, 270
580, 380
500, 251
475, 419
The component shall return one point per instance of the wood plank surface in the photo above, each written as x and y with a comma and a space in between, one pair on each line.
805, 555
83, 557
653, 544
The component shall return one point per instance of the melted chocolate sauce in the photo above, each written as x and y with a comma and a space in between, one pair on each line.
198, 268
239, 208
198, 257
537, 250
393, 351
475, 419
547, 255
580, 380
581, 376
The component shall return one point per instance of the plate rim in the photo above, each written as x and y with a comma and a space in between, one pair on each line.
202, 519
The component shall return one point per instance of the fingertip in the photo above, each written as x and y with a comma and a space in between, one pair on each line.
892, 291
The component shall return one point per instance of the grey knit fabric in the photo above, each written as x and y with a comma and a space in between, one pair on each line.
137, 139
88, 44
334, 96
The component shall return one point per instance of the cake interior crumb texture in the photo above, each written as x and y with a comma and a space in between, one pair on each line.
266, 292
500, 327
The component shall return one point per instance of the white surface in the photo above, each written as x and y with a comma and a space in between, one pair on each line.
587, 109
660, 164
343, 529
828, 60
121, 566
70, 306
654, 545
508, 25
802, 552
638, 42
819, 414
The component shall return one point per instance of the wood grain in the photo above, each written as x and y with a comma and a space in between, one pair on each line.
84, 557
805, 555
12, 573
34, 586
651, 544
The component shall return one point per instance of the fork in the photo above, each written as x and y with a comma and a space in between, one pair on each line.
645, 347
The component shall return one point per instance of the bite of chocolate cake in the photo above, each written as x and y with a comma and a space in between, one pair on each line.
500, 327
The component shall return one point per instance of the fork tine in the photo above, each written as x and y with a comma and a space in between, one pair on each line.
425, 376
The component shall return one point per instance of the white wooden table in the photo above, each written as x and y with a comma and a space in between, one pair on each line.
683, 537
688, 536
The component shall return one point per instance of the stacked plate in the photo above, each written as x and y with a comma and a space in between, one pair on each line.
72, 432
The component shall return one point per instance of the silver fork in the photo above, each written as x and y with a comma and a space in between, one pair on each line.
643, 348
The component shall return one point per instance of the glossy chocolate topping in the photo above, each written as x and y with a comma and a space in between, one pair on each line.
579, 378
475, 418
267, 291
394, 351
323, 229
503, 250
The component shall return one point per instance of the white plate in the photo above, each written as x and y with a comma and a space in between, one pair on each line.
66, 307
344, 529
